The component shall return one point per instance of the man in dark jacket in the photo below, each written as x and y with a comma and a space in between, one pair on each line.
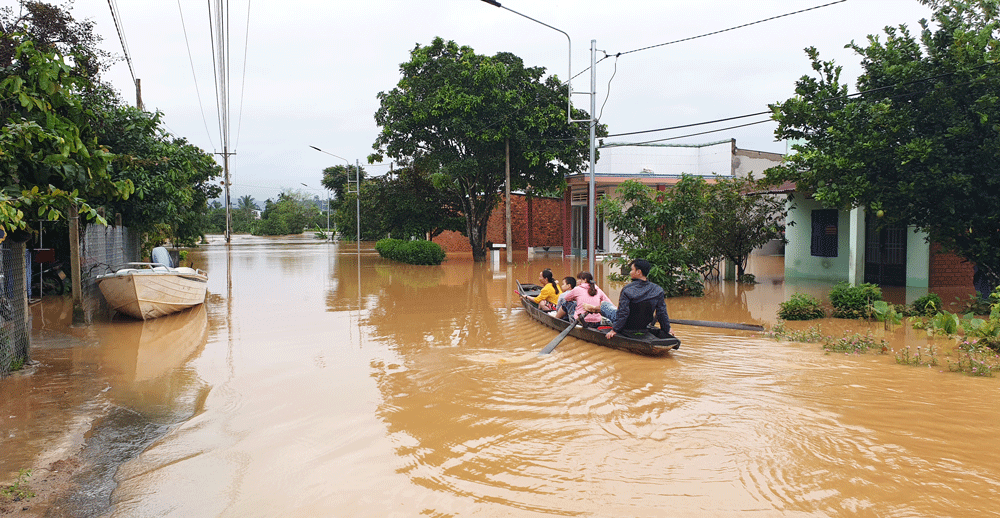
639, 301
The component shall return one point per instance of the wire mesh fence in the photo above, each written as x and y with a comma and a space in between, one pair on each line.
15, 339
101, 250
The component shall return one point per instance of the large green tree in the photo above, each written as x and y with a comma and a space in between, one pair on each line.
919, 143
49, 154
452, 113
173, 179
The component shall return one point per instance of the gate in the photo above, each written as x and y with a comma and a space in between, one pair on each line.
885, 254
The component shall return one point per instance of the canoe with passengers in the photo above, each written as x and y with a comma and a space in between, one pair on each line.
649, 342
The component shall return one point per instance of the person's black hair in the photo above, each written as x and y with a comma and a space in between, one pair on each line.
571, 281
643, 266
547, 274
586, 276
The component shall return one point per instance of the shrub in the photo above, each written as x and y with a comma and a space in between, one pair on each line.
854, 301
927, 305
801, 307
412, 252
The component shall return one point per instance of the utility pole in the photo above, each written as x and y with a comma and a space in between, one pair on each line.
138, 94
509, 236
225, 168
592, 212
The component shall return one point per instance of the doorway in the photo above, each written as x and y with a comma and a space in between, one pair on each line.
885, 254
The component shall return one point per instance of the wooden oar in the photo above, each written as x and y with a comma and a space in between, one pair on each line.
555, 341
723, 325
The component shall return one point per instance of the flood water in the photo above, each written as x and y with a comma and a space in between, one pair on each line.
319, 381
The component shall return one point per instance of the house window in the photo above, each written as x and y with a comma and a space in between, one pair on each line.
824, 232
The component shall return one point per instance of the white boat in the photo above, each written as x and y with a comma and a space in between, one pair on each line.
151, 290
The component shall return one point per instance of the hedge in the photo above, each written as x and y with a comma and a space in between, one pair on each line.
412, 252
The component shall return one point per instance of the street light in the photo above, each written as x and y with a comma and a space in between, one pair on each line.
357, 173
327, 208
592, 212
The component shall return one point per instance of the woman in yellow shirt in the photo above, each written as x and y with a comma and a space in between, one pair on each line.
549, 296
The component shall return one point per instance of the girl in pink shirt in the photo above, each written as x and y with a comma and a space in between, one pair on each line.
587, 293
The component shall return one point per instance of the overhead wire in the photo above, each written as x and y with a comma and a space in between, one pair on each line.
617, 55
115, 16
194, 76
826, 100
734, 28
243, 82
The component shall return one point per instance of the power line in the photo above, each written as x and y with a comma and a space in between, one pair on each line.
113, 5
246, 45
732, 28
193, 75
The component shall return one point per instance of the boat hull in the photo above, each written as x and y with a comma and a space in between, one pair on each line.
151, 293
649, 343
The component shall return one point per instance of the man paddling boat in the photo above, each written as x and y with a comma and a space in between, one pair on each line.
641, 302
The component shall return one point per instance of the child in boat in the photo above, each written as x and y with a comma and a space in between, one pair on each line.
586, 294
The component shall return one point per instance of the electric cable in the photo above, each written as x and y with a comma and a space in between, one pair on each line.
733, 28
194, 76
243, 83
121, 37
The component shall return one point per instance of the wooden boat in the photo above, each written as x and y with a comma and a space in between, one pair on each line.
652, 342
151, 290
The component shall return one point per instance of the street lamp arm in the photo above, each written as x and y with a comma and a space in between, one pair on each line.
331, 154
569, 72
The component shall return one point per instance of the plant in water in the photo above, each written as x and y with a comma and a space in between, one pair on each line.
855, 343
854, 301
885, 312
19, 490
975, 359
906, 357
801, 307
926, 305
780, 332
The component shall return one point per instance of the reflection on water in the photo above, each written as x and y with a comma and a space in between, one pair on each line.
334, 383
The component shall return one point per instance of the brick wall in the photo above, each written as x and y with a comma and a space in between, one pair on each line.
534, 222
949, 270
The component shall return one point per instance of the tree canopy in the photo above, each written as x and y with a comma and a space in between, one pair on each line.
452, 113
67, 137
919, 143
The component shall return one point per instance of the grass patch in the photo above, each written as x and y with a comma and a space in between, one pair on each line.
19, 490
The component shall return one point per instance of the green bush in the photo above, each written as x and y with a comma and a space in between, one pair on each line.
927, 305
412, 252
854, 301
801, 307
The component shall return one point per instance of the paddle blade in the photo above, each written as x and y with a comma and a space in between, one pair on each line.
555, 341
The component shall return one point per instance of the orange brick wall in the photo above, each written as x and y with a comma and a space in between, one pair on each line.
949, 270
534, 222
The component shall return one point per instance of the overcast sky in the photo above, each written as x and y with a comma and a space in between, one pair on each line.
313, 68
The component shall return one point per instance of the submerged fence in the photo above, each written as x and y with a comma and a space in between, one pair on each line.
101, 249
15, 337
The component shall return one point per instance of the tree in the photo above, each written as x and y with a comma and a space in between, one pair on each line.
663, 227
452, 113
246, 204
738, 221
173, 179
920, 143
336, 178
290, 214
49, 154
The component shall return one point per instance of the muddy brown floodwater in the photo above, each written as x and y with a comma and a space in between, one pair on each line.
319, 381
